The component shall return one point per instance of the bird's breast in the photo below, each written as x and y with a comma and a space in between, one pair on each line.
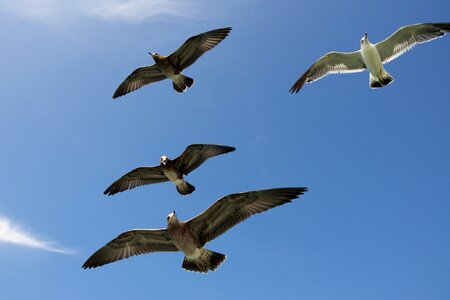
171, 172
184, 240
168, 68
372, 59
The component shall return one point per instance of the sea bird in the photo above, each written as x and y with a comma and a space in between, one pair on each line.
372, 57
173, 65
169, 170
191, 236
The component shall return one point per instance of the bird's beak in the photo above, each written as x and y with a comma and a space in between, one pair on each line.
365, 35
150, 53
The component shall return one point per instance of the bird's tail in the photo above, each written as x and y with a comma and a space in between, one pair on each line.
181, 83
208, 260
380, 81
185, 188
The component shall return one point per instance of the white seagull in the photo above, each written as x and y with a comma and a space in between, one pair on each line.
372, 57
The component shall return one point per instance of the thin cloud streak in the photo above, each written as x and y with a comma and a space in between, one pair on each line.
136, 11
14, 235
132, 11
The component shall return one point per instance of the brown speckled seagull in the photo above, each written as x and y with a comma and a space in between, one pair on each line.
170, 170
171, 66
191, 236
372, 57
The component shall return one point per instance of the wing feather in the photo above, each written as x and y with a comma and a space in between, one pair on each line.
331, 63
131, 243
196, 46
196, 154
409, 36
138, 78
235, 208
137, 177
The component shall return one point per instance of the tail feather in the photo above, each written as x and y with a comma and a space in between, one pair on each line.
379, 82
185, 188
181, 83
178, 88
207, 261
189, 81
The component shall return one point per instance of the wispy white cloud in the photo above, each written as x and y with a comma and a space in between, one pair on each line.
139, 10
133, 11
14, 235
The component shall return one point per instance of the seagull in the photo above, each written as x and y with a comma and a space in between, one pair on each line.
171, 66
169, 170
372, 57
191, 236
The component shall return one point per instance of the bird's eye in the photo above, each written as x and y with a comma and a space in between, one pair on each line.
168, 217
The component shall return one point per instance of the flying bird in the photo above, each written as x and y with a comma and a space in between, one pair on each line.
173, 65
372, 57
191, 236
169, 170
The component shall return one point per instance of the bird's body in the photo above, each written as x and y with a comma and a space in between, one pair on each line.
170, 70
170, 170
173, 173
182, 238
371, 57
173, 65
196, 257
165, 66
190, 237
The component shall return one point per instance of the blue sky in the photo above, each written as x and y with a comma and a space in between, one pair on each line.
374, 225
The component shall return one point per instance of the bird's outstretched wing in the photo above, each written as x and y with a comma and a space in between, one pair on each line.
130, 243
196, 46
196, 154
138, 79
331, 63
235, 208
407, 37
137, 177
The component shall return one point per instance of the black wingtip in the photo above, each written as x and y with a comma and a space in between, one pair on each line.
226, 149
300, 82
87, 265
110, 191
225, 31
289, 192
302, 190
297, 86
117, 95
444, 26
230, 149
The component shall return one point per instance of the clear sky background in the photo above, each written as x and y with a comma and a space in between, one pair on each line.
374, 225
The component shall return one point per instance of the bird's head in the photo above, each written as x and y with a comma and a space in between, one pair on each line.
364, 39
164, 160
155, 56
172, 218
